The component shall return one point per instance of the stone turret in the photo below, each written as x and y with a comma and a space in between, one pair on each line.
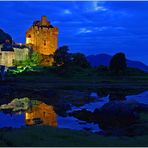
44, 21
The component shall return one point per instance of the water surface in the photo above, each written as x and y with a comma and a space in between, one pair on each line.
44, 114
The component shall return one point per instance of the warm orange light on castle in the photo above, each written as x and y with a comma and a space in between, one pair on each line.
45, 113
43, 37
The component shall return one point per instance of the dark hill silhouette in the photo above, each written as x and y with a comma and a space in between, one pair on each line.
4, 36
104, 59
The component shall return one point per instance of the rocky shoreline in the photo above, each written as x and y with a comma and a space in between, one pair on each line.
120, 118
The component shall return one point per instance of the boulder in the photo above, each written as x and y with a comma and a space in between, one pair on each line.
83, 114
116, 96
115, 114
17, 104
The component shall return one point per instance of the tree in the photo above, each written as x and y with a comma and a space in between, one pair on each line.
62, 57
101, 69
33, 60
118, 64
79, 59
36, 58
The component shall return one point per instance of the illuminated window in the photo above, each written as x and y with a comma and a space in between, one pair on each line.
44, 42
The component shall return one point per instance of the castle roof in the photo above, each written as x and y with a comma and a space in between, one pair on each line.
7, 47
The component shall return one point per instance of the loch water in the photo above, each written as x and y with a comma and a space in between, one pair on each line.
45, 114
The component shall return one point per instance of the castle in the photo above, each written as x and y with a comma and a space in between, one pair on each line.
41, 114
42, 37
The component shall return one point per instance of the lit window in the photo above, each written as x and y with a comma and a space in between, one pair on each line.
44, 42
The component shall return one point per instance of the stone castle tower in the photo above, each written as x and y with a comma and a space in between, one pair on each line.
43, 37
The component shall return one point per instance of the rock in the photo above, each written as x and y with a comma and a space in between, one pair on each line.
116, 96
137, 107
83, 114
61, 108
141, 108
17, 104
115, 114
6, 106
76, 98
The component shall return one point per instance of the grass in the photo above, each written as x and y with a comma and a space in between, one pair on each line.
81, 77
42, 136
49, 136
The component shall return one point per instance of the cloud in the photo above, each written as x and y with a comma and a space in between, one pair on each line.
104, 28
84, 30
96, 6
90, 6
67, 11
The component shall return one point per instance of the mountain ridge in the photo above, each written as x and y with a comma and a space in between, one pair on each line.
104, 59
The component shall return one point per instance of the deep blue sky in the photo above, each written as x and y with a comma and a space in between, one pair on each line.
87, 27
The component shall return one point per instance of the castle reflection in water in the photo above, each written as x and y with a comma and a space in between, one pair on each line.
41, 114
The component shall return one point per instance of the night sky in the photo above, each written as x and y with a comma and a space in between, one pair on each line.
87, 27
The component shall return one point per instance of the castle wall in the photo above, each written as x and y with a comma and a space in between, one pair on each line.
1, 46
7, 58
21, 54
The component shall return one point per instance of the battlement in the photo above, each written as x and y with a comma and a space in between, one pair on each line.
42, 23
